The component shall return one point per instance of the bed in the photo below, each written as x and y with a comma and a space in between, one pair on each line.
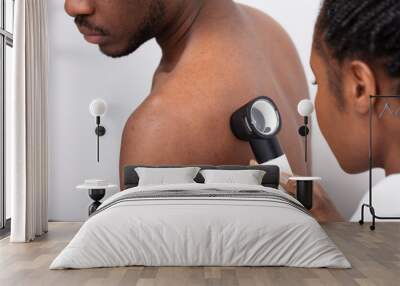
201, 224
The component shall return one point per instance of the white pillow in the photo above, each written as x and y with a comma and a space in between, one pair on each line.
166, 176
243, 177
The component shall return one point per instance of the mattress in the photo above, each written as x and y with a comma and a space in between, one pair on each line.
201, 225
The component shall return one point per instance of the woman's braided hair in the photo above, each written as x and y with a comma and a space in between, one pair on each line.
368, 30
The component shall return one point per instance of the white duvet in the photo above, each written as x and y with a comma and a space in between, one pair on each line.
206, 231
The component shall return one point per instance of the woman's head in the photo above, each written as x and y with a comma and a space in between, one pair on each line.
356, 53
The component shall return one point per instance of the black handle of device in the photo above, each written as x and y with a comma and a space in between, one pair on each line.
266, 149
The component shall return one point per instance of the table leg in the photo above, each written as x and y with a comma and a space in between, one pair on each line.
96, 196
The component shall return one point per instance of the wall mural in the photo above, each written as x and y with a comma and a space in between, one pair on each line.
218, 57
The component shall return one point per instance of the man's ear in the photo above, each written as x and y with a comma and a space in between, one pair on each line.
362, 84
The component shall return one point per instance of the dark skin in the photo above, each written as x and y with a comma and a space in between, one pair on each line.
349, 111
216, 56
323, 209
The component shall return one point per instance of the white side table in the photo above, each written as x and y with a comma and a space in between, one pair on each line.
97, 190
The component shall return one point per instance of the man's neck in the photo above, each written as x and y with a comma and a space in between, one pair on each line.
173, 39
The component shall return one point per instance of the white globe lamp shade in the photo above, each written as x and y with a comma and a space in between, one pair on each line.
305, 107
98, 107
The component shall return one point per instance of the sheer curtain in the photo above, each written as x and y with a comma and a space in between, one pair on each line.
27, 123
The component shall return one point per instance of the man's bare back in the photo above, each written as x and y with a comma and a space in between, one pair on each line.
185, 120
217, 56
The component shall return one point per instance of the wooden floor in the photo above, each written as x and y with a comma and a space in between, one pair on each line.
375, 257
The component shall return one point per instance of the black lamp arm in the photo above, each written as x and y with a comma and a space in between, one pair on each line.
304, 131
98, 137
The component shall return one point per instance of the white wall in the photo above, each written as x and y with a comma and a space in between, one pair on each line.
79, 73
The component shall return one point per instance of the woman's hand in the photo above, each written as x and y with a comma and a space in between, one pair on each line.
323, 209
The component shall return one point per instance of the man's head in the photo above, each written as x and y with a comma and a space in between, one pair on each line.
119, 27
356, 53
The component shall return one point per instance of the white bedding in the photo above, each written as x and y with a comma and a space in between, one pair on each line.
200, 231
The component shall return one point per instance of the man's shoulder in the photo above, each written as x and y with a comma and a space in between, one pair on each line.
232, 48
172, 109
261, 19
252, 11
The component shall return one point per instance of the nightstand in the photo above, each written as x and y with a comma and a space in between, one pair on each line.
304, 190
97, 190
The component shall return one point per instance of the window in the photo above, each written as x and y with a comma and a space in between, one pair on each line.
6, 62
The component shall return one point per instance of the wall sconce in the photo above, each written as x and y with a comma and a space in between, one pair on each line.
305, 185
98, 108
305, 109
